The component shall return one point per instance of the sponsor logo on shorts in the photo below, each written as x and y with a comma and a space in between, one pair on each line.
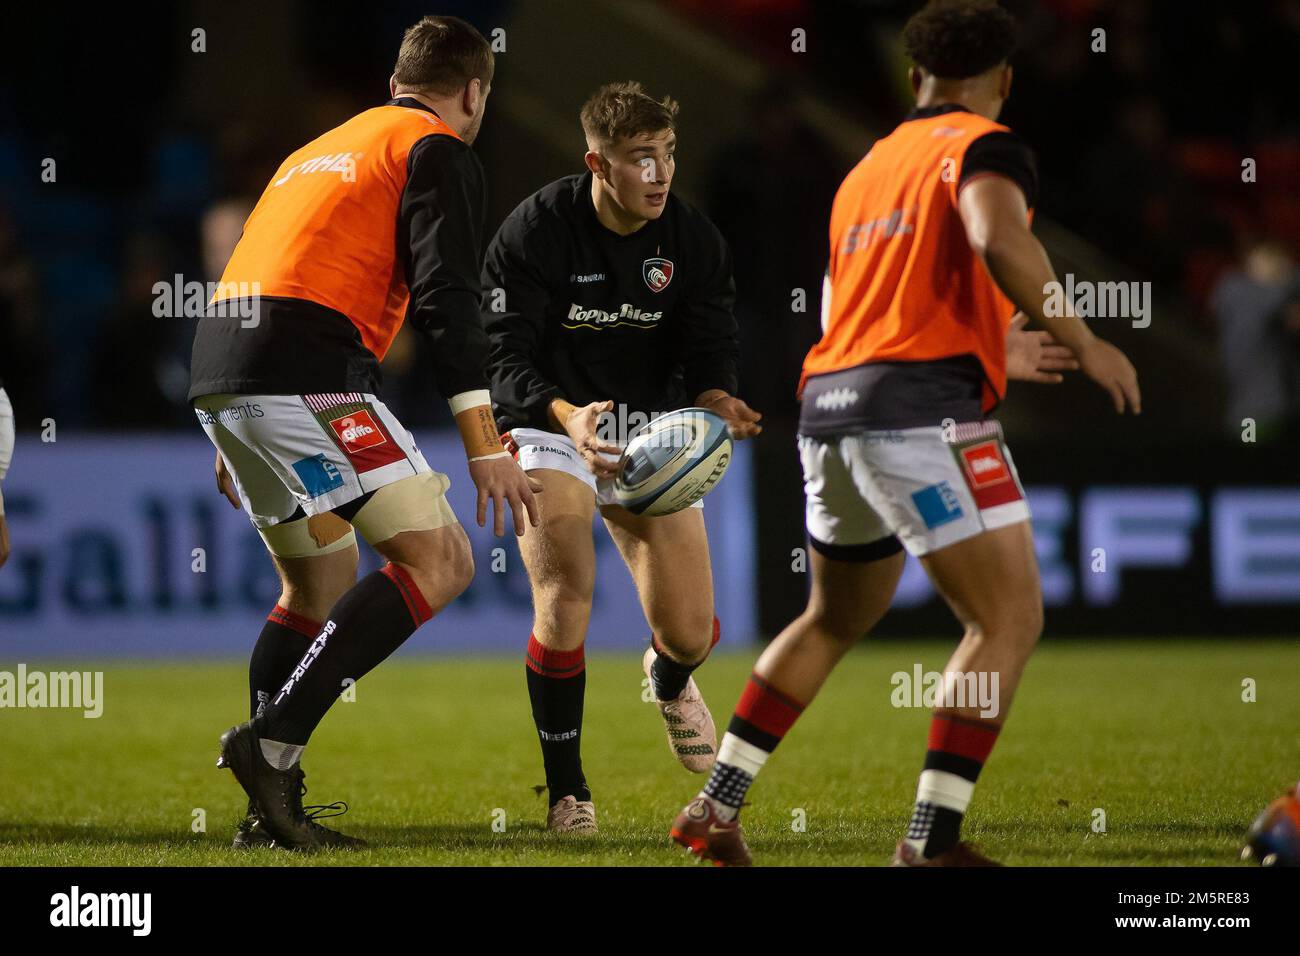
549, 450
365, 440
230, 414
988, 474
937, 504
318, 475
357, 431
985, 465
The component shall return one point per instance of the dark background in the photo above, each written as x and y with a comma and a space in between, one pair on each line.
160, 151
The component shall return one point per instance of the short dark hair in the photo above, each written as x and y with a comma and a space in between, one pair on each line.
956, 39
441, 54
617, 110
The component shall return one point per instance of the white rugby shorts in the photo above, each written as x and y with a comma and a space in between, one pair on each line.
314, 452
868, 492
535, 448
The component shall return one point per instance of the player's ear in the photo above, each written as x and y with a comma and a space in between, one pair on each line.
472, 98
596, 163
1005, 88
392, 87
914, 77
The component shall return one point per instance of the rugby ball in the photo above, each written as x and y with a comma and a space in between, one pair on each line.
672, 461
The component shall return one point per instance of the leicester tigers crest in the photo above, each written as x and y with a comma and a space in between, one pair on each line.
657, 272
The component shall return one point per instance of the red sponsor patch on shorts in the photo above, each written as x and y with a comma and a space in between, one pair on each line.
988, 475
365, 441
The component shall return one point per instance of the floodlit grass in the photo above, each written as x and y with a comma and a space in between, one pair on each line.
1153, 733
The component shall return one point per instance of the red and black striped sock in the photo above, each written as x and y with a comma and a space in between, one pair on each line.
761, 720
956, 752
284, 638
668, 676
557, 684
370, 621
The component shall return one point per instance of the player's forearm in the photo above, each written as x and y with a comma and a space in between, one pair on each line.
558, 411
1019, 265
478, 429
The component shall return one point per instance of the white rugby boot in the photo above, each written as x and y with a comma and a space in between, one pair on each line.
691, 735
571, 815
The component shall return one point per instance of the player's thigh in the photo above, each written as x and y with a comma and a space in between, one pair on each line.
856, 558
991, 582
668, 557
954, 499
315, 556
313, 584
440, 560
559, 553
265, 498
848, 598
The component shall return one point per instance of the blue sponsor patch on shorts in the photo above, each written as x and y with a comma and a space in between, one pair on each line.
938, 504
318, 475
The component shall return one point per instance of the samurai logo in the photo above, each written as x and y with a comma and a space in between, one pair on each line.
657, 273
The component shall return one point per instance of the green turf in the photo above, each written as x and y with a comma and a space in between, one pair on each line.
1155, 734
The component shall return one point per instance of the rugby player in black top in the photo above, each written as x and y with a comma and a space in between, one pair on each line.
608, 300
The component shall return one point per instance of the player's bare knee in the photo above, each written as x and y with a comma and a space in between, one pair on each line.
440, 562
452, 570
562, 615
687, 641
836, 623
1019, 625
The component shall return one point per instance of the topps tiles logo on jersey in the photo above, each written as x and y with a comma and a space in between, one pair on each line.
627, 315
77, 909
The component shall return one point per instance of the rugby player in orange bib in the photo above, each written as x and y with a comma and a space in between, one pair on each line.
931, 255
375, 222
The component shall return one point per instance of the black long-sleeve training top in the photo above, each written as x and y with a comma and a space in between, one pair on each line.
575, 311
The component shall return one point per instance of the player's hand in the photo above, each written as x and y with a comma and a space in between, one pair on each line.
4, 541
501, 480
1036, 356
1110, 368
582, 425
742, 421
226, 484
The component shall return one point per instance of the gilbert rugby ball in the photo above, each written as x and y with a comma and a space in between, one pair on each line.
672, 462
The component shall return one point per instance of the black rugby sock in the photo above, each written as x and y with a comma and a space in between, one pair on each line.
284, 639
557, 684
373, 619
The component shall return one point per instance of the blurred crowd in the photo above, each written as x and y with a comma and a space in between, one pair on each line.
1179, 161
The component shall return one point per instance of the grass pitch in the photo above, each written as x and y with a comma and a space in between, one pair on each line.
439, 761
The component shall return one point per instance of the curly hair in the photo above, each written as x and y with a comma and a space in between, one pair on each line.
956, 39
619, 110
